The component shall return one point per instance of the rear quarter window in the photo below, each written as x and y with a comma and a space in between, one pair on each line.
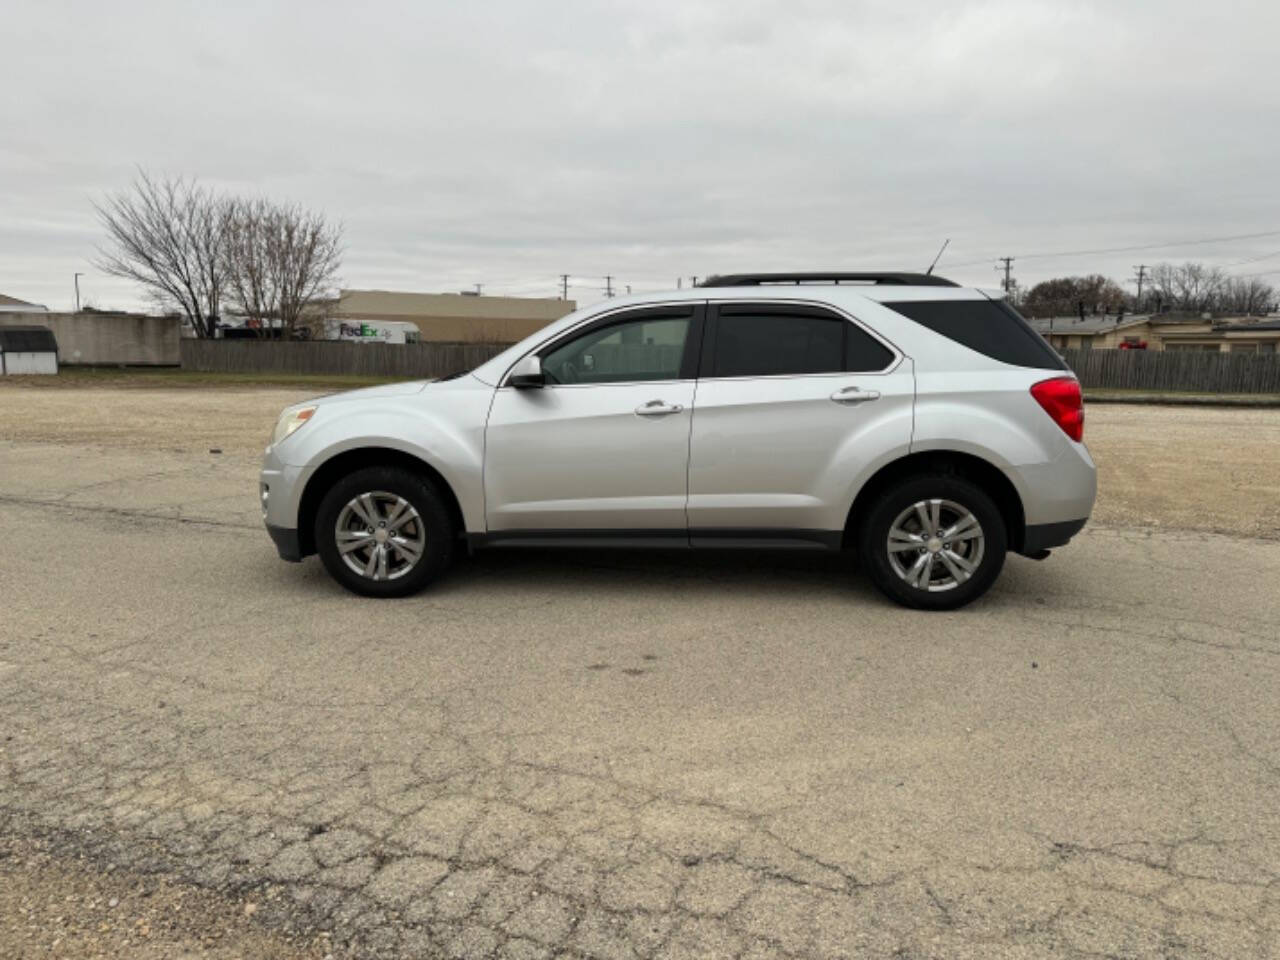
991, 327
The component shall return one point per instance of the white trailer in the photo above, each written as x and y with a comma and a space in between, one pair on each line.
373, 331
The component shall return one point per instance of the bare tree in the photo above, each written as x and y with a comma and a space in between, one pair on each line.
1246, 295
1066, 295
1193, 287
167, 235
280, 261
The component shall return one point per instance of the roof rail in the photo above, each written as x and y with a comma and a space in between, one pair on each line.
893, 279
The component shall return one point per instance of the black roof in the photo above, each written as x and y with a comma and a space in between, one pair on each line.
892, 279
27, 340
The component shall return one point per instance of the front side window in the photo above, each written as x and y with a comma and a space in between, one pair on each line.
770, 340
630, 351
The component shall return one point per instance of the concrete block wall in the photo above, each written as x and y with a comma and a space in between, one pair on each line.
107, 338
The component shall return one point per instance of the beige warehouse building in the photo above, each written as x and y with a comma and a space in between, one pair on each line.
452, 316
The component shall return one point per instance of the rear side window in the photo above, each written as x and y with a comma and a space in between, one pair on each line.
991, 327
765, 340
863, 353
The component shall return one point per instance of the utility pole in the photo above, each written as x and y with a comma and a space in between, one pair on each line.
1142, 275
564, 286
608, 286
1008, 267
78, 276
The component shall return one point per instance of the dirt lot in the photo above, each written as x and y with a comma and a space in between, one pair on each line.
1191, 468
207, 752
54, 904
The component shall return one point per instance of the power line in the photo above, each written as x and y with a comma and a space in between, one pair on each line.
1147, 246
1241, 263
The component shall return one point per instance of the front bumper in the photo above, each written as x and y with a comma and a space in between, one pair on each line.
286, 541
280, 486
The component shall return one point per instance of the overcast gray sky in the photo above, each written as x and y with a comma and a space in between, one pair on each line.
508, 142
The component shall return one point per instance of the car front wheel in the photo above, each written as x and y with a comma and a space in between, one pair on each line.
384, 532
933, 542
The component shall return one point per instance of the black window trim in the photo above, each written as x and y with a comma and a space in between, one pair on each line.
799, 307
696, 310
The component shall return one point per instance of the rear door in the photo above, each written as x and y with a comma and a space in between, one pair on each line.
793, 399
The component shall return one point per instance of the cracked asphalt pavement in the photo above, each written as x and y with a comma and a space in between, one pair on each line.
631, 755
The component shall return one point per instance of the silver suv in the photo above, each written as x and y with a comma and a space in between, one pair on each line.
923, 424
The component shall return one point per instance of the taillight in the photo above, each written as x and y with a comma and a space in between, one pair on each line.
1061, 400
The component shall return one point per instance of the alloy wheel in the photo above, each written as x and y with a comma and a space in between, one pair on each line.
935, 545
380, 535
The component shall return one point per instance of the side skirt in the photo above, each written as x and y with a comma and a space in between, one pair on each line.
711, 539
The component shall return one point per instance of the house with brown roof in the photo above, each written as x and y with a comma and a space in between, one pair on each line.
1162, 332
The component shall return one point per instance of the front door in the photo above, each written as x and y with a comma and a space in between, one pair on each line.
792, 401
604, 446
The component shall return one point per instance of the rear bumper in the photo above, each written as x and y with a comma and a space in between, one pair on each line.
286, 542
1042, 536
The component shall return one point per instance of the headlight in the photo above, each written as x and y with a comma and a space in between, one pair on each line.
290, 421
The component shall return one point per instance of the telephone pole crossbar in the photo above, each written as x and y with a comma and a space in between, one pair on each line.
1142, 269
1008, 269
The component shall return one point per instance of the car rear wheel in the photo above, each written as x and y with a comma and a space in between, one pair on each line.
934, 542
384, 532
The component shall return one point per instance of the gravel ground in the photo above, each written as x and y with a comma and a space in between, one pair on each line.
54, 903
1189, 468
1193, 468
590, 754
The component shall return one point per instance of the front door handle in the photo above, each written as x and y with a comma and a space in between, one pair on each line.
657, 408
855, 395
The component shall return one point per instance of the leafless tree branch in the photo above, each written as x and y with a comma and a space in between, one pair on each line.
280, 261
167, 235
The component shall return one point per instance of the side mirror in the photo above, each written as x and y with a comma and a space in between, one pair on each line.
526, 374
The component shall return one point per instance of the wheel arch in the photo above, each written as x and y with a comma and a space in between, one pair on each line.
982, 472
348, 461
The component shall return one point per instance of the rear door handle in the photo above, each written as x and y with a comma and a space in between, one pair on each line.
855, 395
657, 408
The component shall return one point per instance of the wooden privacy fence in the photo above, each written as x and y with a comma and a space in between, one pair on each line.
1194, 370
1199, 371
410, 361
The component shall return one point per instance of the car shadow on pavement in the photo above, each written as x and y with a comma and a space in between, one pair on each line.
514, 573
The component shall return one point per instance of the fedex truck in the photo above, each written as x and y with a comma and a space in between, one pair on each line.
373, 331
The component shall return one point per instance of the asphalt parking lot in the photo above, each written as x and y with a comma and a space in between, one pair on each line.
652, 755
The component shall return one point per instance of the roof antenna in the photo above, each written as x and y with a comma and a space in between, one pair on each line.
929, 272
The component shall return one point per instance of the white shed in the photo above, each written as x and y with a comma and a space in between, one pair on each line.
28, 350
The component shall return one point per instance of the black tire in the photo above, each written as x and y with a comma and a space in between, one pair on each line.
873, 542
436, 527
